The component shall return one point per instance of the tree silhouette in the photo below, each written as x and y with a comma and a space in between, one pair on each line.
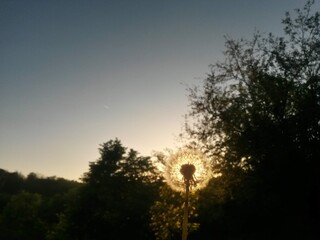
32, 207
115, 200
258, 116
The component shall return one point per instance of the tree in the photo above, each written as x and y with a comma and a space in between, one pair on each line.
258, 116
20, 219
10, 184
33, 207
48, 186
118, 191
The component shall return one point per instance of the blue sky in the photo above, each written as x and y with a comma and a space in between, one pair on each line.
75, 74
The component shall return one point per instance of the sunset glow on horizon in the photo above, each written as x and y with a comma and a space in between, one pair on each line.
75, 74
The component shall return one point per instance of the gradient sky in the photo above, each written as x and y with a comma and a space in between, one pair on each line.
75, 74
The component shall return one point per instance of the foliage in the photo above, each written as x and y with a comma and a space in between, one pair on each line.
167, 213
115, 200
258, 116
20, 219
30, 206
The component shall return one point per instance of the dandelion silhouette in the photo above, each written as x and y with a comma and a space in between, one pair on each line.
187, 170
187, 164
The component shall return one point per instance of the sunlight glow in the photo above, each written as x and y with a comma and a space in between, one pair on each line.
201, 175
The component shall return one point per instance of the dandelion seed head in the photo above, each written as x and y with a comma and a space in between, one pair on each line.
173, 169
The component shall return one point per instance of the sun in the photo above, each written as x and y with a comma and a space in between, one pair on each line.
187, 162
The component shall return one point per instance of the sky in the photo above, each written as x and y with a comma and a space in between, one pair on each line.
76, 74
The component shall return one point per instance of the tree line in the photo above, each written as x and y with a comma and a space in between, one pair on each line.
31, 207
256, 116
